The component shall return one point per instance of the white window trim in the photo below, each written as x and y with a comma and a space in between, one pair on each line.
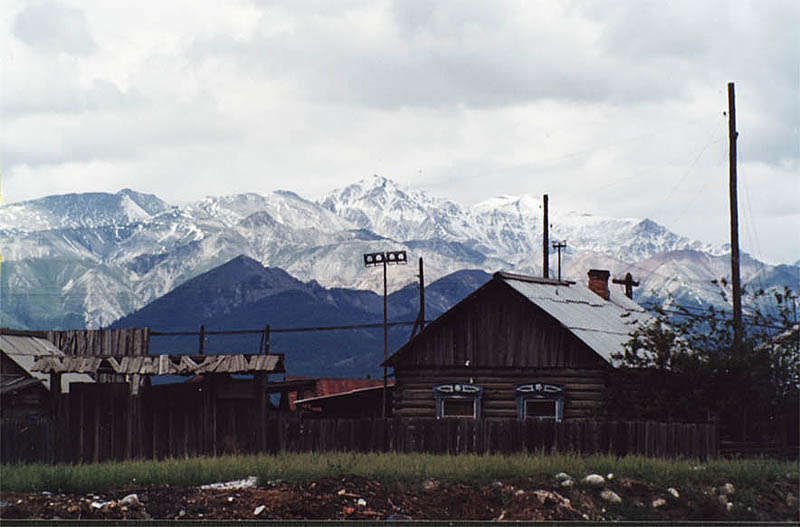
461, 392
542, 392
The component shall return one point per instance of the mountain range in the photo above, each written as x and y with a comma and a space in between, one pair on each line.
244, 295
87, 260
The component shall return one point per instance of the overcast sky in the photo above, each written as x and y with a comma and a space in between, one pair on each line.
612, 108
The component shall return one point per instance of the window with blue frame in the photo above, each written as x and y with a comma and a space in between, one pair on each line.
458, 400
541, 401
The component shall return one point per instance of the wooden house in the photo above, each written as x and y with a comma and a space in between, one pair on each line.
518, 346
26, 393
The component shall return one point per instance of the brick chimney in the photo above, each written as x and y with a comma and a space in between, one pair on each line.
598, 282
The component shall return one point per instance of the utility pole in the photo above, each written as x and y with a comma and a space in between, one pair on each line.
420, 321
545, 240
735, 279
558, 246
421, 296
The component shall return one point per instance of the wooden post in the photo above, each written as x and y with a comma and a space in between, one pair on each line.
545, 240
185, 434
421, 295
96, 451
170, 425
202, 338
735, 279
262, 408
81, 424
154, 438
56, 417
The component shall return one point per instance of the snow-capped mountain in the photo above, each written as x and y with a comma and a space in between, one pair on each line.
506, 227
92, 258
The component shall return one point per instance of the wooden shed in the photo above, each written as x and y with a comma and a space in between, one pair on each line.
518, 346
25, 393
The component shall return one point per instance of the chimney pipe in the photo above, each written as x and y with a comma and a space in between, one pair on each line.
598, 282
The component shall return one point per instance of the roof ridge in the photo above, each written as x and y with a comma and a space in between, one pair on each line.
535, 279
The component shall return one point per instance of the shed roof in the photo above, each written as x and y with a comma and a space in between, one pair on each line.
163, 364
603, 325
342, 395
25, 350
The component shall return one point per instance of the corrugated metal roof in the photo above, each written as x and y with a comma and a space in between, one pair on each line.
603, 325
163, 364
24, 351
348, 393
332, 386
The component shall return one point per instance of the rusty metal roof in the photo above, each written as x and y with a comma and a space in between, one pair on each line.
349, 393
603, 325
164, 364
25, 350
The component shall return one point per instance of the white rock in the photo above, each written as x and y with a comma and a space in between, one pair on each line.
246, 483
567, 483
130, 500
562, 476
361, 502
259, 510
595, 480
97, 504
673, 492
729, 506
520, 492
430, 484
727, 489
610, 476
658, 502
610, 496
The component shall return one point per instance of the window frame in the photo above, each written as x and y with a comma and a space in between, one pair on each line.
459, 392
539, 391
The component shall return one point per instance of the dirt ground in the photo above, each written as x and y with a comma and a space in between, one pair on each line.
358, 498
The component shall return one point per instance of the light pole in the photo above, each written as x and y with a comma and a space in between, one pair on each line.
374, 260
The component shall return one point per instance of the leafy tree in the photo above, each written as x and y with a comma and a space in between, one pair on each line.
686, 367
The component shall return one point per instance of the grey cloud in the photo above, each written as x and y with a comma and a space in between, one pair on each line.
445, 56
51, 28
57, 94
119, 136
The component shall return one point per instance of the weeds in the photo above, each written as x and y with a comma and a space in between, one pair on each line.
382, 467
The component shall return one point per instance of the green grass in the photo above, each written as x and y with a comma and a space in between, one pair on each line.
382, 467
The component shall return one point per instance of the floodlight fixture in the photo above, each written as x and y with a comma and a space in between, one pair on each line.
374, 260
396, 257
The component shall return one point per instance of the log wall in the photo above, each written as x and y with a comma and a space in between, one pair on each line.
413, 394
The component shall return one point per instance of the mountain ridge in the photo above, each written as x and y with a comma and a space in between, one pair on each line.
98, 256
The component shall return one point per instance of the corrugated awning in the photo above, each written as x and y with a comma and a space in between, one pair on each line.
163, 364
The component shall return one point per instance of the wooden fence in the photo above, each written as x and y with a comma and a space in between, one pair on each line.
95, 436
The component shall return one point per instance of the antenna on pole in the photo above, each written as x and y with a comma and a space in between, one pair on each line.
735, 278
558, 246
545, 240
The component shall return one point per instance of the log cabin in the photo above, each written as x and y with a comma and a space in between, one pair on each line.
518, 346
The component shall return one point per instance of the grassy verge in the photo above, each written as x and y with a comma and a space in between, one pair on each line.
382, 467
